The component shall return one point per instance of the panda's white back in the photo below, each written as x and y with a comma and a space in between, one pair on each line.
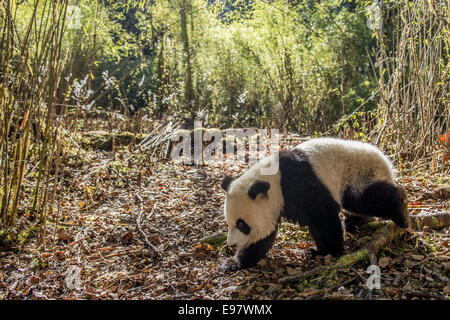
344, 164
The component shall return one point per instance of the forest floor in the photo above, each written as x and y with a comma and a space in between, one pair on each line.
93, 247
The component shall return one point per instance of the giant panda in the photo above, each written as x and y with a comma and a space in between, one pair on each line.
314, 181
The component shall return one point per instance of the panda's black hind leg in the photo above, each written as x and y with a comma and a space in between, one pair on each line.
327, 234
380, 199
354, 222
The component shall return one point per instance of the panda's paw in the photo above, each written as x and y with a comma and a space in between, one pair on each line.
230, 265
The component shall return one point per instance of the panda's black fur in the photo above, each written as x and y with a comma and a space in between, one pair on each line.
308, 202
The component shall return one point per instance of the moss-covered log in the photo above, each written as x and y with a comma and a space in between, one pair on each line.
103, 140
387, 234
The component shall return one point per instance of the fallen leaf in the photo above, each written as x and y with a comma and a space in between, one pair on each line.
309, 292
60, 255
409, 264
391, 291
383, 262
303, 245
291, 271
34, 280
64, 236
127, 237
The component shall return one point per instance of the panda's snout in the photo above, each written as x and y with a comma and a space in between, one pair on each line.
235, 239
232, 245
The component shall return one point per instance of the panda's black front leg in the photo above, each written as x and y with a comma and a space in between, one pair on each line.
326, 230
249, 256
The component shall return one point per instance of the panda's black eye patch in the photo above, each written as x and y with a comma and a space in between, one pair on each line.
242, 226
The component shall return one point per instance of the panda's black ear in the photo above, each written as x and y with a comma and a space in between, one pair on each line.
258, 187
226, 182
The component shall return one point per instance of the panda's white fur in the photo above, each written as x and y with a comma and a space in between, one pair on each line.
341, 164
338, 164
262, 213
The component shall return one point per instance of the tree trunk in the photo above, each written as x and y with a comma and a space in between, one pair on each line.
188, 88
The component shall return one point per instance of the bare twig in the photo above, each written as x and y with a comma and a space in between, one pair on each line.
423, 294
154, 251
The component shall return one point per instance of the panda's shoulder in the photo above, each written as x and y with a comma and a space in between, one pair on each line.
340, 146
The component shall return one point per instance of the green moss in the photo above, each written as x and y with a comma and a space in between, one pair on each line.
124, 138
371, 227
119, 165
215, 241
350, 259
5, 238
327, 275
40, 263
104, 140
26, 235
308, 284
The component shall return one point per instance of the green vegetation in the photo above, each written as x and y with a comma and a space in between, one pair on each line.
340, 67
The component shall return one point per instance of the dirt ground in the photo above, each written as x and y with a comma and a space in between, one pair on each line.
93, 248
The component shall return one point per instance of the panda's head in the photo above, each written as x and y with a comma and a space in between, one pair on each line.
252, 206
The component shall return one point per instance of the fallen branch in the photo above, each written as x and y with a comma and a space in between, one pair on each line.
121, 253
78, 241
328, 271
443, 193
153, 250
433, 221
320, 293
383, 237
423, 294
